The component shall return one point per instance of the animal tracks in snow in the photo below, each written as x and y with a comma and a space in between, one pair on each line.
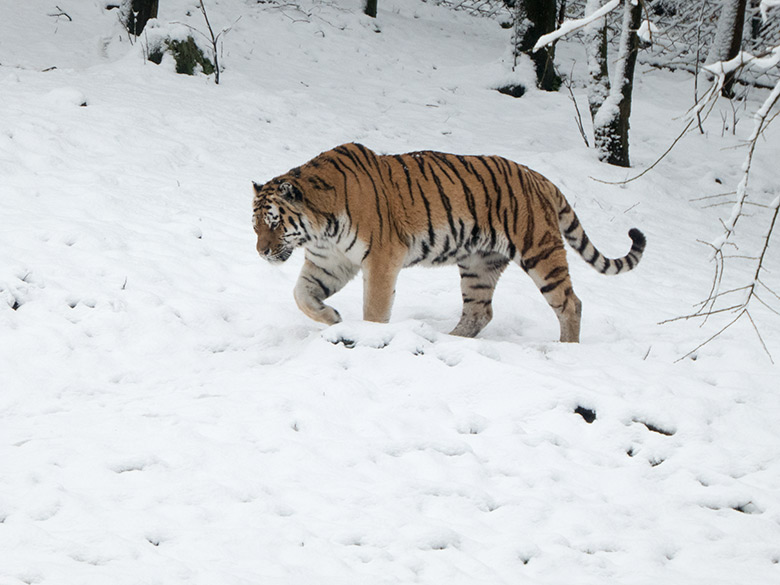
410, 337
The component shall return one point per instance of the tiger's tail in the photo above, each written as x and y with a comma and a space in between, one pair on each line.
575, 235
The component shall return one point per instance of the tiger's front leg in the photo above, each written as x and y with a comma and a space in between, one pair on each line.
316, 283
379, 277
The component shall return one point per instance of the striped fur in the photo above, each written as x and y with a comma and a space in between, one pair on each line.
352, 210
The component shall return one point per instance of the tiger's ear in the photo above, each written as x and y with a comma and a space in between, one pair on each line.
290, 192
258, 187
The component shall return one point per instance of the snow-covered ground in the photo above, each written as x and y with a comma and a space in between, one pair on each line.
167, 414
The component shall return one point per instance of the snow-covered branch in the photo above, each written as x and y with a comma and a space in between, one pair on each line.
766, 5
569, 26
744, 59
756, 289
761, 119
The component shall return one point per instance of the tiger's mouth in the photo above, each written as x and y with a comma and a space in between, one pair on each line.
277, 256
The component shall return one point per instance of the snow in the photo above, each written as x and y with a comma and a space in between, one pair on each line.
168, 415
568, 26
646, 31
765, 6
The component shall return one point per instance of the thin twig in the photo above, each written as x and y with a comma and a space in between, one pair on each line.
760, 338
699, 315
578, 119
652, 166
61, 13
729, 194
702, 344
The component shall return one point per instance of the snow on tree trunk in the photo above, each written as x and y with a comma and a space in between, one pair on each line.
728, 39
596, 50
610, 125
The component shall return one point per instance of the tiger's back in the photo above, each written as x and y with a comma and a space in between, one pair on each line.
379, 213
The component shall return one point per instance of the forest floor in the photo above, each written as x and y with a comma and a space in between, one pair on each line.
168, 415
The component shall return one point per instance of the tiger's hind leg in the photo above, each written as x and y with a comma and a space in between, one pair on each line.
317, 283
479, 274
550, 271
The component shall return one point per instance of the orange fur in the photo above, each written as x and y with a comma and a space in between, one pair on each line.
353, 210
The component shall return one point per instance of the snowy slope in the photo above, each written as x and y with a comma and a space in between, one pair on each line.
167, 415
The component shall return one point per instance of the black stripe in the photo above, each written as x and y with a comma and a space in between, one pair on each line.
337, 166
497, 184
318, 282
530, 263
352, 243
556, 272
319, 183
575, 223
426, 203
551, 287
368, 248
401, 162
425, 250
367, 172
470, 204
445, 201
418, 157
511, 195
487, 202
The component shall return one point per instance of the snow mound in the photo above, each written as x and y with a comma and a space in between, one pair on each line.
66, 97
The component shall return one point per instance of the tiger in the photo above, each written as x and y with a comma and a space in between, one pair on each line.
352, 209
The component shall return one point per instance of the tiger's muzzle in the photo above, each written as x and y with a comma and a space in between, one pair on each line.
276, 256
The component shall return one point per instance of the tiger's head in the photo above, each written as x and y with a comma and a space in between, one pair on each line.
279, 220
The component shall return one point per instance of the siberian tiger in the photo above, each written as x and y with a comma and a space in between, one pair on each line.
353, 209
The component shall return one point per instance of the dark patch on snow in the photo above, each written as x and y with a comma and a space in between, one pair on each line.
655, 428
514, 90
348, 343
586, 413
747, 508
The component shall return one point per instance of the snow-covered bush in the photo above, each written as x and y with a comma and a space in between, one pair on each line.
176, 40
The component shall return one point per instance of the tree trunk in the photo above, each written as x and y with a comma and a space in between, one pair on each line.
728, 39
370, 8
612, 120
137, 13
596, 51
542, 17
